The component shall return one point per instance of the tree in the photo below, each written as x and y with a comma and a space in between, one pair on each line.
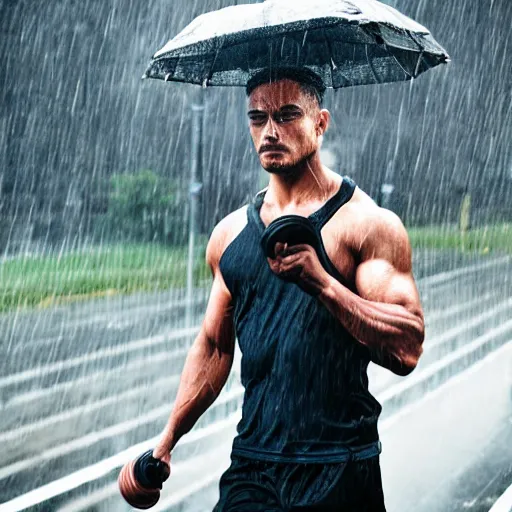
143, 208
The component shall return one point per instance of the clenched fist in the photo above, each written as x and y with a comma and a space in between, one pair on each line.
299, 264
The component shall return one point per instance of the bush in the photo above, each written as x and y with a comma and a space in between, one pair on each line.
143, 207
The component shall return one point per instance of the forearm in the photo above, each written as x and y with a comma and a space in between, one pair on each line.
204, 374
393, 334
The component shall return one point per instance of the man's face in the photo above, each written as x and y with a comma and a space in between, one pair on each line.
285, 125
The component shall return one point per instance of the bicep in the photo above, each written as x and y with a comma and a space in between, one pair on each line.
384, 273
378, 280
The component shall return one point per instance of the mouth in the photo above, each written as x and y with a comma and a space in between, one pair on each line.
272, 150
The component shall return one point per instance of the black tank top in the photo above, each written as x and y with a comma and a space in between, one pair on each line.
306, 387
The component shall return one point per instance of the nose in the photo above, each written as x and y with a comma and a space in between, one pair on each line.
270, 132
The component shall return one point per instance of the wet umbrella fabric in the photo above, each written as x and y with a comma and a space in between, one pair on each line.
347, 43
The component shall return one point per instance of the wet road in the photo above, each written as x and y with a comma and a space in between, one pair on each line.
81, 383
452, 450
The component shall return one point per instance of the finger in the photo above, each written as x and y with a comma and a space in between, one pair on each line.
274, 264
300, 247
293, 249
291, 259
290, 267
279, 247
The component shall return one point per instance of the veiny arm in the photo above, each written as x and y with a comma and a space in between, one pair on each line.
209, 360
386, 314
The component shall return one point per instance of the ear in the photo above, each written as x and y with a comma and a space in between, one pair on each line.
324, 118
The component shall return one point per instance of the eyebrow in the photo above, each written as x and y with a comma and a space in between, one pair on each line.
284, 107
290, 107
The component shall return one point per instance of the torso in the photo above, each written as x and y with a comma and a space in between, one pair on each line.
306, 390
343, 235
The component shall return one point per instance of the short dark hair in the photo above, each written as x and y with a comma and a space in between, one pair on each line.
310, 82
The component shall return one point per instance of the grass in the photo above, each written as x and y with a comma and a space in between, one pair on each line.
484, 240
122, 269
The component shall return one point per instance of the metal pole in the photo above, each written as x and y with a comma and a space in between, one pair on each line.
194, 190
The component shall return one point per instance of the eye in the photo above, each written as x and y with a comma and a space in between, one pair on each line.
287, 116
257, 118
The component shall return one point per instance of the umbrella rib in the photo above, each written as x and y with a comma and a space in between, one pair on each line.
410, 34
210, 72
420, 56
370, 65
397, 61
331, 62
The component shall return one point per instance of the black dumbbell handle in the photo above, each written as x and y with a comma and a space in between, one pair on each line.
293, 229
151, 473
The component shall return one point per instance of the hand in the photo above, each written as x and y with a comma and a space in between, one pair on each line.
162, 454
300, 264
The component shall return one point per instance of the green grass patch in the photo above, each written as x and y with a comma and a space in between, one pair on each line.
485, 240
121, 269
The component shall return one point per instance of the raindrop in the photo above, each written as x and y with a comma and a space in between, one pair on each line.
304, 38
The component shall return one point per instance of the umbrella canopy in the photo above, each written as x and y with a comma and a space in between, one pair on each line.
346, 43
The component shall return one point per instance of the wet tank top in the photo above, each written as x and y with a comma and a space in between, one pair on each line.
305, 377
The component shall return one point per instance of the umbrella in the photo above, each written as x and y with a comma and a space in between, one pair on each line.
346, 43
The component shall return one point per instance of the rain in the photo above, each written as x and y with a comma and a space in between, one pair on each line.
110, 187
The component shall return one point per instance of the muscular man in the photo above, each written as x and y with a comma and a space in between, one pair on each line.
308, 436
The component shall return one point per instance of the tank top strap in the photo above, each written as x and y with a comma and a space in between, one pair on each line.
318, 218
253, 209
344, 194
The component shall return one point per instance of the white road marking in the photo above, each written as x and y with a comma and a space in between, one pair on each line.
506, 349
99, 354
102, 468
446, 276
504, 503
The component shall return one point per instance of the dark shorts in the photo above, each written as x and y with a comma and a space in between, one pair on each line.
257, 486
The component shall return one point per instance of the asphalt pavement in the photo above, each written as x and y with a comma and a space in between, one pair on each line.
81, 382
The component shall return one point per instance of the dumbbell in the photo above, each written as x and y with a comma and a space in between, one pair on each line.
293, 230
140, 481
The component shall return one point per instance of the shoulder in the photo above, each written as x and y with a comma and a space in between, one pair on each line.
381, 233
223, 234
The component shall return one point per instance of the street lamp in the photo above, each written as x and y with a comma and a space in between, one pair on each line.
194, 191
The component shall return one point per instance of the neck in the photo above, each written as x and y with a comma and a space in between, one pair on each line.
309, 181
